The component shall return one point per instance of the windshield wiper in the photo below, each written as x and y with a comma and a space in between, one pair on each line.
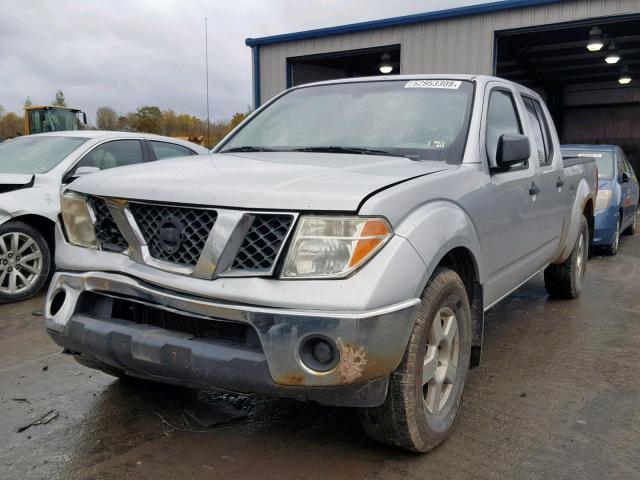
336, 149
248, 148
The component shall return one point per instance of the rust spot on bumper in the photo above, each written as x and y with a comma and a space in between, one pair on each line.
291, 379
353, 361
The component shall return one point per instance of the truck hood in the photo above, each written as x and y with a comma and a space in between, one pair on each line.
264, 180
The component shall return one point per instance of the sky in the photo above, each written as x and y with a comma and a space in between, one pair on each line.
129, 53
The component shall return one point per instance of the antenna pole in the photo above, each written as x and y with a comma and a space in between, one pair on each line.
206, 55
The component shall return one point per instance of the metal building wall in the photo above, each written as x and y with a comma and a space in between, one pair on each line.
455, 45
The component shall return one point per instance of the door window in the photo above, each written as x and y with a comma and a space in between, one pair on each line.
536, 130
168, 150
502, 117
113, 154
546, 131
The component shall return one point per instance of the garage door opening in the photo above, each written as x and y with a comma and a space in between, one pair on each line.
585, 89
353, 63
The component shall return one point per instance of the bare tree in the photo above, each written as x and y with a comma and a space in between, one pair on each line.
106, 118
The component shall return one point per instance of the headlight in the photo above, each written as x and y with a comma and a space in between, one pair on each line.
78, 223
334, 247
603, 199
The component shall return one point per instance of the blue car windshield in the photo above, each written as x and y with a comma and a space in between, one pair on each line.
604, 161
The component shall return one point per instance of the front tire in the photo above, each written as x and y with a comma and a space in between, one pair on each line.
566, 280
612, 249
25, 261
631, 229
425, 390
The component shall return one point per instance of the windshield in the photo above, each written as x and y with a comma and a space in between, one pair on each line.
35, 154
604, 161
52, 120
420, 119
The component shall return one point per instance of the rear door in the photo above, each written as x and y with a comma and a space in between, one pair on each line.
553, 205
508, 225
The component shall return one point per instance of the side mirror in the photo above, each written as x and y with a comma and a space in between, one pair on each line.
625, 177
84, 118
82, 171
513, 148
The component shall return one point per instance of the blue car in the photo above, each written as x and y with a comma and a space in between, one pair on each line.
617, 201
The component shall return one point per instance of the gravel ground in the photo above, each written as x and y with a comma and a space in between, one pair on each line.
557, 396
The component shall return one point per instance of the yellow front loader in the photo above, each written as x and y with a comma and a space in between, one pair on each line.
42, 119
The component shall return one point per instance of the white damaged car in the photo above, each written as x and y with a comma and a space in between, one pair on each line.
32, 171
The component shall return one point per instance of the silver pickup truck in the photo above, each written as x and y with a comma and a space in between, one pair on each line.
341, 245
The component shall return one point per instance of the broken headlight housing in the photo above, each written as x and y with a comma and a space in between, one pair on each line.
78, 220
334, 247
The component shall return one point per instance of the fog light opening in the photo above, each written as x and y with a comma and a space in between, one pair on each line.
57, 301
319, 353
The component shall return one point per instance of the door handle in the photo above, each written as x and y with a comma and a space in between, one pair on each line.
559, 183
534, 189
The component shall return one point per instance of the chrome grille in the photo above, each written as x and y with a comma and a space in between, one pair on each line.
192, 224
262, 243
107, 231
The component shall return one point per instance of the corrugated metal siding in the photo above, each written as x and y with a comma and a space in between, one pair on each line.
455, 45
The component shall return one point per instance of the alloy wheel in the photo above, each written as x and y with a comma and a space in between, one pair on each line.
20, 262
441, 360
580, 258
616, 239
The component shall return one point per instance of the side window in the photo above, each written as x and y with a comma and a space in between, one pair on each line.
620, 162
113, 154
627, 166
502, 117
168, 150
546, 131
536, 130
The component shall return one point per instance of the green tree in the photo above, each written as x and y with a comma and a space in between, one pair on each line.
59, 101
106, 118
148, 119
236, 120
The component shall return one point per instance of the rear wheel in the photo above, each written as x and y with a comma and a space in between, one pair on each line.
425, 390
566, 280
25, 261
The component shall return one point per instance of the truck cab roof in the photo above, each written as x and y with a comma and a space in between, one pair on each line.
592, 148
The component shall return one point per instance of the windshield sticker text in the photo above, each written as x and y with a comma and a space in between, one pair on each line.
449, 84
590, 155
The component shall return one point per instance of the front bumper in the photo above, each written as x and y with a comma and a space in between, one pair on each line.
605, 225
370, 343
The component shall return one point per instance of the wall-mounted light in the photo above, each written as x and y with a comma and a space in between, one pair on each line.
612, 56
595, 40
385, 64
625, 76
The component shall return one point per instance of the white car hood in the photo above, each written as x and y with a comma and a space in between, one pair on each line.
16, 178
264, 180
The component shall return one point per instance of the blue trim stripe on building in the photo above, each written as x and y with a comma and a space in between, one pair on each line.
255, 57
395, 21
